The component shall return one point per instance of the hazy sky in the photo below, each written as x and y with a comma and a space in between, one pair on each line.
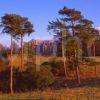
40, 12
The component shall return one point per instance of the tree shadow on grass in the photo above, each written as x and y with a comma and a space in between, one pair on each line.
90, 82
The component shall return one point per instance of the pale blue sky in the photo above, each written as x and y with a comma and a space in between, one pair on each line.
40, 12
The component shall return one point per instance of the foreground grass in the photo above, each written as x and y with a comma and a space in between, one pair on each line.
85, 93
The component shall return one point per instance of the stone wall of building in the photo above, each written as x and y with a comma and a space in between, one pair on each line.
44, 47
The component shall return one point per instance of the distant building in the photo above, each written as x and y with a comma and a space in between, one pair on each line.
42, 47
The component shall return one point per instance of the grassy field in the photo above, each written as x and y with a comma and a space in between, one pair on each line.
85, 93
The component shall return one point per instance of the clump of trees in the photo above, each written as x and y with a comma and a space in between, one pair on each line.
69, 29
16, 26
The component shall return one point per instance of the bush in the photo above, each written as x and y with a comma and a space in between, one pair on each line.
24, 81
32, 79
57, 68
27, 80
44, 77
4, 80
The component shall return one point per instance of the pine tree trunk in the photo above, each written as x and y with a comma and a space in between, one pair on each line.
78, 75
11, 69
28, 53
77, 67
64, 58
94, 49
22, 59
73, 28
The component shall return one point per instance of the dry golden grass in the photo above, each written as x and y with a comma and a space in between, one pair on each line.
35, 59
86, 93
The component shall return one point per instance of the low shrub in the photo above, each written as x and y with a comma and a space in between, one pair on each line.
44, 77
27, 80
57, 68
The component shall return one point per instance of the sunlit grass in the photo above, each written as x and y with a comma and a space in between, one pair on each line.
85, 93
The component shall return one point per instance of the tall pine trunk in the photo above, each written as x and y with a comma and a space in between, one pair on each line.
22, 52
77, 67
64, 58
77, 74
76, 55
11, 68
